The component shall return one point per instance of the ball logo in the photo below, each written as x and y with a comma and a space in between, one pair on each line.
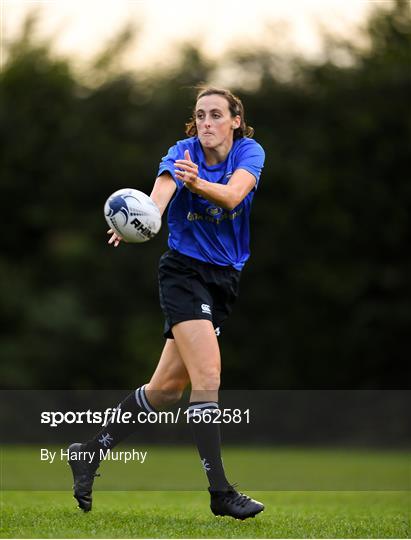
119, 204
132, 215
145, 231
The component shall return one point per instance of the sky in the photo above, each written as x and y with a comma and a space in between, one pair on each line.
80, 28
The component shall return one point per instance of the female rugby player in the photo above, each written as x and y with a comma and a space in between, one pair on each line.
210, 179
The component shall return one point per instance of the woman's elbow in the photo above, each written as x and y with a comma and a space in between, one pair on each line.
231, 203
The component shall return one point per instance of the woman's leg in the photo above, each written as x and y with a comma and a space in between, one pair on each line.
169, 379
164, 388
199, 350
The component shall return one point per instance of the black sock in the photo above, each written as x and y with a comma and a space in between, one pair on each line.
208, 439
114, 432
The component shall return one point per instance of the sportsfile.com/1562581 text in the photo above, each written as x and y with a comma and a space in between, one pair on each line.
115, 415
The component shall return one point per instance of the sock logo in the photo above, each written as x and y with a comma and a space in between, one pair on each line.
106, 440
206, 466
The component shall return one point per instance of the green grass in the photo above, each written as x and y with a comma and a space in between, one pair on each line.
186, 515
258, 469
308, 493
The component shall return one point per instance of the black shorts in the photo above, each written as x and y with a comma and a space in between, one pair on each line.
192, 289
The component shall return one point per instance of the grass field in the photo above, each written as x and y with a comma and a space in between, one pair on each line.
254, 468
36, 510
186, 514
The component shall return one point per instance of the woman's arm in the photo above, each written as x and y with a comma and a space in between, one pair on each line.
163, 190
227, 196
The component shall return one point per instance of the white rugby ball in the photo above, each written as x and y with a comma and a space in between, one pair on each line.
132, 215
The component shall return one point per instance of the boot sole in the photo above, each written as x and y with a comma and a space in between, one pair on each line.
241, 518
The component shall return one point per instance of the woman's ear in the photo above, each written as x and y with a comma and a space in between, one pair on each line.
236, 122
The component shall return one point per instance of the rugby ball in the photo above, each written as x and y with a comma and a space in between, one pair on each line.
132, 215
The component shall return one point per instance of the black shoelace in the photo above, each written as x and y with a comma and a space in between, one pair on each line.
239, 499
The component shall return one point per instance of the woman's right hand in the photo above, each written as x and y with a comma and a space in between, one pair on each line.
115, 239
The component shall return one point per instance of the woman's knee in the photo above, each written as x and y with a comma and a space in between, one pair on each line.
206, 378
168, 393
171, 394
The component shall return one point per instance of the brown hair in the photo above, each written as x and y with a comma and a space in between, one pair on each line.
234, 104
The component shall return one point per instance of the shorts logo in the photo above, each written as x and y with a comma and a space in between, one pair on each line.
217, 331
205, 308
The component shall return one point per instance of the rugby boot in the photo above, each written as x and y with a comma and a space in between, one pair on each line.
83, 476
233, 503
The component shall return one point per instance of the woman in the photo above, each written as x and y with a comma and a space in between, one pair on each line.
210, 179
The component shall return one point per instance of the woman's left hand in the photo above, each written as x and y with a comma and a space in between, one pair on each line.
187, 171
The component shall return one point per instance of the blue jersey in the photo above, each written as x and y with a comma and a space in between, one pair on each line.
201, 229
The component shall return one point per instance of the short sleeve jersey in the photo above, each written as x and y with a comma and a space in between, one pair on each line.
201, 229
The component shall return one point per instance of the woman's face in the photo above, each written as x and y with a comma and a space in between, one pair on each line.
215, 125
